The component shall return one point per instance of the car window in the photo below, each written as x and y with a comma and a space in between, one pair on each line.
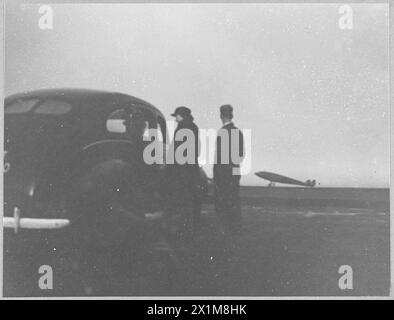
116, 121
162, 129
160, 133
20, 106
146, 129
53, 107
128, 122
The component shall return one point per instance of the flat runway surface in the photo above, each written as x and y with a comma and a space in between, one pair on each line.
289, 252
283, 251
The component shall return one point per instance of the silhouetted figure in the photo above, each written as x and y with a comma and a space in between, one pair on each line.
184, 173
226, 175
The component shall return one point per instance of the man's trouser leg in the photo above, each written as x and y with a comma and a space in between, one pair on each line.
236, 205
195, 203
222, 203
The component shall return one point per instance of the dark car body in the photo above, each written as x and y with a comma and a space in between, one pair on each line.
75, 187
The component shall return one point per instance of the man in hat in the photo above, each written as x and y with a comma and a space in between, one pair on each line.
184, 173
226, 171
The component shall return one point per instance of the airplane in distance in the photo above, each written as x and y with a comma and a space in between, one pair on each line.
274, 178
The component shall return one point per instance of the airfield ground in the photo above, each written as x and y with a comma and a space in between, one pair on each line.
290, 252
286, 249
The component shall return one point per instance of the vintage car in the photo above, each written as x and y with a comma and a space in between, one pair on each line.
77, 194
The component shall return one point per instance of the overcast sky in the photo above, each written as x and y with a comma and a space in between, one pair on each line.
315, 96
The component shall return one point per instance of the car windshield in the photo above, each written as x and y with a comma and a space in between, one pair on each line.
20, 106
53, 107
50, 107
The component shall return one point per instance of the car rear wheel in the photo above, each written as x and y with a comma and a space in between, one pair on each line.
114, 242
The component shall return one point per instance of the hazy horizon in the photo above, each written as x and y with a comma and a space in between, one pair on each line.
315, 97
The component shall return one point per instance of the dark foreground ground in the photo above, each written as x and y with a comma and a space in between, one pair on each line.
288, 252
284, 250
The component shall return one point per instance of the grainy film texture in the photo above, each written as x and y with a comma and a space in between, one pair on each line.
196, 150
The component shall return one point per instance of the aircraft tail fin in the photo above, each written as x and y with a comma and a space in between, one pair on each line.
311, 183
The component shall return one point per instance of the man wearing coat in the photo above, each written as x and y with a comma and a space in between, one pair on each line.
226, 172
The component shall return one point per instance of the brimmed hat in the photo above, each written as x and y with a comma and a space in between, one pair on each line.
183, 112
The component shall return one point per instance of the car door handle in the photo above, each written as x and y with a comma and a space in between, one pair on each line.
16, 222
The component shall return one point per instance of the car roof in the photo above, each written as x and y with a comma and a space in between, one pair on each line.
79, 95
